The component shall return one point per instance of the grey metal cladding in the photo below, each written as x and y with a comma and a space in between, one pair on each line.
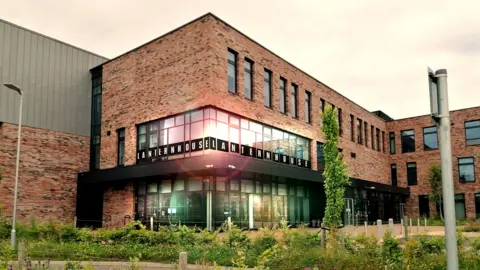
55, 79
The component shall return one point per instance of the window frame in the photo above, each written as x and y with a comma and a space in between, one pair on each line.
249, 71
377, 139
283, 94
409, 183
372, 135
401, 138
365, 131
294, 95
466, 164
467, 128
340, 121
391, 136
235, 64
308, 107
352, 128
394, 180
359, 131
267, 82
120, 139
429, 133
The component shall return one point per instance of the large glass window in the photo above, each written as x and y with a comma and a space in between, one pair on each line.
232, 71
408, 141
412, 173
472, 132
322, 104
430, 138
294, 101
283, 96
466, 169
320, 157
392, 142
307, 106
248, 79
153, 137
267, 94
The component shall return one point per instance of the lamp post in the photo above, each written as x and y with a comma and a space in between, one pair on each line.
13, 237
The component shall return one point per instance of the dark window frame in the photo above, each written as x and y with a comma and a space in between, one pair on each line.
352, 128
377, 139
404, 150
322, 105
391, 136
412, 181
294, 95
234, 63
477, 126
251, 72
340, 122
120, 139
308, 107
365, 131
466, 164
394, 175
359, 131
267, 93
283, 94
372, 135
476, 197
429, 133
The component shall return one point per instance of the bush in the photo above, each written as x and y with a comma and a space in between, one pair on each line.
236, 238
431, 245
391, 251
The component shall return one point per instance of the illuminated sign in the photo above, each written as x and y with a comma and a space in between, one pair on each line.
211, 143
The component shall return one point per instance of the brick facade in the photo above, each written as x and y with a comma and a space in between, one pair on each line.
118, 203
49, 163
424, 158
187, 68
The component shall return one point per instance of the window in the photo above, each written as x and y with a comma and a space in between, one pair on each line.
248, 78
340, 122
307, 107
267, 90
121, 146
372, 135
412, 173
408, 141
393, 172
383, 142
392, 142
232, 71
377, 139
322, 104
460, 212
352, 128
294, 101
96, 120
466, 170
365, 133
283, 96
359, 131
430, 139
424, 206
477, 205
472, 132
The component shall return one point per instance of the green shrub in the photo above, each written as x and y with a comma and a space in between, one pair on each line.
391, 251
206, 237
6, 254
475, 244
184, 235
431, 245
235, 237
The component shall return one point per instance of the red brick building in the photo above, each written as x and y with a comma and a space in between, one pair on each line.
204, 124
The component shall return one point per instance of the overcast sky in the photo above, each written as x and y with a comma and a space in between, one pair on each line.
375, 52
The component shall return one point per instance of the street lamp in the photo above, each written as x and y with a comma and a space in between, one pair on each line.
13, 238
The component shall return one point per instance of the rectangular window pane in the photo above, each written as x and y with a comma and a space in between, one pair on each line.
365, 133
152, 187
282, 189
392, 142
282, 95
472, 132
477, 205
248, 79
352, 128
234, 185
234, 135
377, 139
247, 186
294, 101
176, 135
166, 186
394, 174
195, 184
222, 116
267, 94
232, 72
359, 131
466, 169
307, 106
340, 122
196, 115
412, 173
408, 141
179, 185
430, 138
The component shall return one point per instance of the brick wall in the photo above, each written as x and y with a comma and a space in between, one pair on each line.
188, 69
49, 163
424, 158
118, 203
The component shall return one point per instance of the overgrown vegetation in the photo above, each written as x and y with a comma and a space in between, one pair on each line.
336, 174
434, 180
280, 248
